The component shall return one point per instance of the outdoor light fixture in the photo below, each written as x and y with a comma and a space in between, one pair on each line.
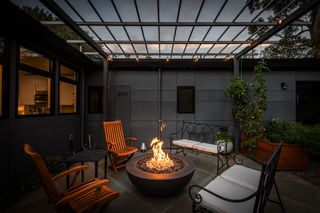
284, 85
196, 59
227, 58
137, 59
109, 58
167, 60
279, 21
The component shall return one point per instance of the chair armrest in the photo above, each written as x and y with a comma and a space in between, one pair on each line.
171, 135
131, 140
198, 199
69, 171
76, 193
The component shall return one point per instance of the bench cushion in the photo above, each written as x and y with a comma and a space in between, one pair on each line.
185, 143
243, 176
230, 190
206, 147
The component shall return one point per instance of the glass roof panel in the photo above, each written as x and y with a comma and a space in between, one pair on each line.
204, 48
189, 10
68, 10
243, 36
85, 10
246, 15
191, 48
153, 48
187, 57
168, 10
215, 33
118, 33
217, 48
178, 48
148, 10
127, 48
231, 33
105, 48
140, 48
105, 10
102, 32
210, 10
166, 33
183, 33
230, 48
114, 48
135, 33
151, 33
231, 10
240, 48
89, 32
127, 10
165, 48
198, 33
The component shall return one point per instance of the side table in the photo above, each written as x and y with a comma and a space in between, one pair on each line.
88, 156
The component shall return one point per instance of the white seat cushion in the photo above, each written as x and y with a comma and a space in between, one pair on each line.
243, 176
185, 143
230, 190
212, 148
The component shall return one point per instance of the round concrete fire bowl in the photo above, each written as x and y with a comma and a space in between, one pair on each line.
160, 184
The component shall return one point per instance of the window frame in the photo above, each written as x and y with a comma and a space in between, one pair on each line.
68, 81
179, 88
36, 71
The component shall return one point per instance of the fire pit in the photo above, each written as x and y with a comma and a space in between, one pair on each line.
160, 174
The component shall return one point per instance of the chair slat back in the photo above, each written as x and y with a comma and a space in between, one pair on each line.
114, 135
267, 179
43, 174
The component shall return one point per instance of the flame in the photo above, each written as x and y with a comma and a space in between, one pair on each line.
160, 160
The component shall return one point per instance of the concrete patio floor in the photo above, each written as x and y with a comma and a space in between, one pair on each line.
297, 194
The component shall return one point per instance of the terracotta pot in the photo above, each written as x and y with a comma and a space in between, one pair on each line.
292, 157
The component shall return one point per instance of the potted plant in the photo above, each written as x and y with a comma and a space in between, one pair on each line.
224, 141
248, 106
298, 141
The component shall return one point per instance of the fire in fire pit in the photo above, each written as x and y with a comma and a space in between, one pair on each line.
160, 173
160, 162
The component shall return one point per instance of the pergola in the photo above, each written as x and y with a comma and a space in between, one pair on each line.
180, 29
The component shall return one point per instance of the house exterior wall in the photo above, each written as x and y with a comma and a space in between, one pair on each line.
211, 103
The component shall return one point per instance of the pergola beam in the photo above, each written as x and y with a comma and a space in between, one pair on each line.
51, 5
164, 54
165, 42
174, 24
284, 23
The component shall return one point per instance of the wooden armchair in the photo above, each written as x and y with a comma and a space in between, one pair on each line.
83, 197
119, 152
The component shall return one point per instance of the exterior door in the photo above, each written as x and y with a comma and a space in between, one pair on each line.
122, 108
308, 102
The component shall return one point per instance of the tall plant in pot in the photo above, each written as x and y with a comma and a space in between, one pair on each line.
249, 104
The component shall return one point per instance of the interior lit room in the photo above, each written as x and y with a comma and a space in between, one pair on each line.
160, 106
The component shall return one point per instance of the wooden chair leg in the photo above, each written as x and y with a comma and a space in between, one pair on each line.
113, 164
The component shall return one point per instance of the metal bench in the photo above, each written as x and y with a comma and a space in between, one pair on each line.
201, 137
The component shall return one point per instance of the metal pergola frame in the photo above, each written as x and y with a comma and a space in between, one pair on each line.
238, 49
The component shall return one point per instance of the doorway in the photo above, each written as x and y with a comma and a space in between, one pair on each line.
308, 102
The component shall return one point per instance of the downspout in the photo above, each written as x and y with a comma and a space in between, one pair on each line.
159, 101
82, 103
236, 128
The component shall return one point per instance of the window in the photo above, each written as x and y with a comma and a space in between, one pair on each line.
68, 89
35, 83
185, 102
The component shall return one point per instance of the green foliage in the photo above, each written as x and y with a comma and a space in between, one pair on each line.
223, 136
249, 102
307, 137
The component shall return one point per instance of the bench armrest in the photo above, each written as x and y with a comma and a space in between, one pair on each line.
198, 199
259, 160
171, 135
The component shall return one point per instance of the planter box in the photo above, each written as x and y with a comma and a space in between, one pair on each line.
292, 157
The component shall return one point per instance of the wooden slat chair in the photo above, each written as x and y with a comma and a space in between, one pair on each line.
119, 152
84, 197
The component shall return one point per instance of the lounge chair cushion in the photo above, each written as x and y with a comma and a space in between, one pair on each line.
243, 176
230, 190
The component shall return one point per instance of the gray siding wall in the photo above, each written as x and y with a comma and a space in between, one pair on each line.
211, 104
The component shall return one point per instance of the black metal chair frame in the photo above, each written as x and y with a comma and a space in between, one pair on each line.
262, 194
204, 133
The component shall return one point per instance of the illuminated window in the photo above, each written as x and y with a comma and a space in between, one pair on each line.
35, 84
68, 89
